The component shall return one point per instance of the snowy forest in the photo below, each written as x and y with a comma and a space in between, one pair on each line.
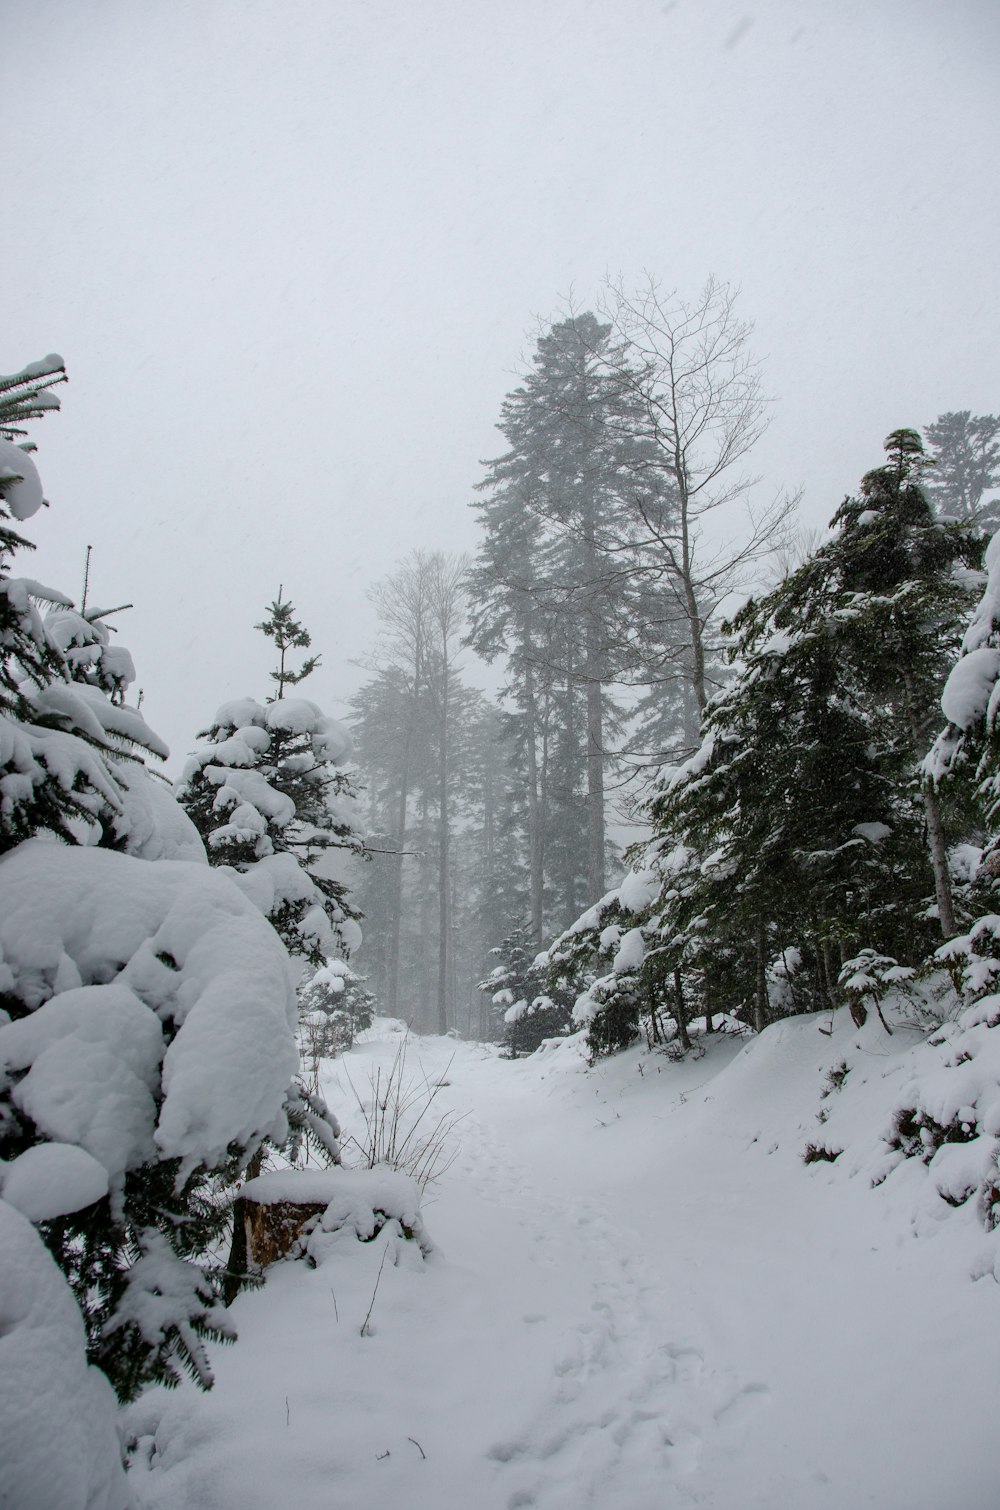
500, 756
801, 740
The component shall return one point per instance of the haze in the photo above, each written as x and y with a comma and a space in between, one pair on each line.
294, 254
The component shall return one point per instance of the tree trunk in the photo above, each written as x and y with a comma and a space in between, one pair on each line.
830, 974
543, 804
760, 1009
595, 791
534, 809
239, 1255
444, 899
939, 863
570, 853
937, 848
680, 1011
426, 922
695, 629
396, 895
594, 671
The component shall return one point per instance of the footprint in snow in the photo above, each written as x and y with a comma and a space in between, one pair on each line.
742, 1408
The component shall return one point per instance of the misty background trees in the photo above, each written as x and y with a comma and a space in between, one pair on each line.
619, 523
618, 526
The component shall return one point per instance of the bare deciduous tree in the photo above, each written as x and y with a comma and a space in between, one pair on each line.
697, 390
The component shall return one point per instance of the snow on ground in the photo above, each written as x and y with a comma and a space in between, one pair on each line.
640, 1297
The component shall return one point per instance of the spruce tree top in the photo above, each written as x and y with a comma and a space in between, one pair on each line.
287, 634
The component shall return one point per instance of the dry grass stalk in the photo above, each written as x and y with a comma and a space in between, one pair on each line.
401, 1125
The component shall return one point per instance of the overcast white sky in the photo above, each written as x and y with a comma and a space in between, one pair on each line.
294, 250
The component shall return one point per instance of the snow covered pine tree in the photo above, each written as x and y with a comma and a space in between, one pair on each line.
147, 1041
271, 798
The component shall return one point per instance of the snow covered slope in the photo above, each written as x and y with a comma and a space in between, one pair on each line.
640, 1297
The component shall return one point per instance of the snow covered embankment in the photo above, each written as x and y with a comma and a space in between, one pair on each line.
641, 1297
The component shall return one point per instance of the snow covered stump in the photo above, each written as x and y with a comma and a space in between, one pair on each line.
295, 1213
273, 1227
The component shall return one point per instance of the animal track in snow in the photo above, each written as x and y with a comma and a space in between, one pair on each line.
627, 1413
742, 1408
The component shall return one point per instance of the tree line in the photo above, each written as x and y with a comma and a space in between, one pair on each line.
823, 815
615, 527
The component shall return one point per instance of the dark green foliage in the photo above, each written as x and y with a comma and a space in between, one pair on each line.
101, 1252
27, 395
288, 634
800, 829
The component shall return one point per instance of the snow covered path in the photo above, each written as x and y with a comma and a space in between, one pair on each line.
641, 1298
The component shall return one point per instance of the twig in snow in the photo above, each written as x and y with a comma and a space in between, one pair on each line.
380, 1457
335, 1310
364, 1324
418, 1447
288, 1412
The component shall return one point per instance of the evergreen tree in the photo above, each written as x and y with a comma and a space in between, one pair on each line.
334, 1007
550, 589
438, 786
28, 395
271, 797
145, 1046
797, 832
71, 755
903, 583
528, 1011
288, 634
398, 734
965, 451
966, 753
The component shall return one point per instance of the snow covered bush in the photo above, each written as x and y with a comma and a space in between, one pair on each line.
916, 1114
623, 981
151, 1025
334, 1007
271, 797
58, 1440
520, 994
